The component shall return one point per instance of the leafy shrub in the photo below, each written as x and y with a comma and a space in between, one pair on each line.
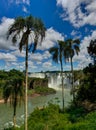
50, 118
44, 90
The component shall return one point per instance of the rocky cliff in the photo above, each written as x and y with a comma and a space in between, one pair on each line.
38, 82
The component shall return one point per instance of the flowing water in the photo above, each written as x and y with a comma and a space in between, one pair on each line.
6, 111
54, 81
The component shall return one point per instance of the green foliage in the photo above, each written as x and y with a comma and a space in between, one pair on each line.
11, 128
31, 91
39, 86
92, 50
45, 117
34, 82
76, 112
3, 74
1, 93
13, 89
51, 118
14, 74
9, 76
44, 90
87, 90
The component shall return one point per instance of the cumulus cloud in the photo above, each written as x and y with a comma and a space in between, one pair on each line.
39, 57
36, 57
4, 42
18, 53
47, 64
7, 57
83, 58
78, 12
51, 39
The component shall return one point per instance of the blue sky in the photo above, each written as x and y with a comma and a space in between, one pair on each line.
63, 19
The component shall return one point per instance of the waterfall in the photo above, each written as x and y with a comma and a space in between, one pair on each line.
54, 79
37, 75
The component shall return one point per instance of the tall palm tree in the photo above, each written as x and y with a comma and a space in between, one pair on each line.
72, 48
58, 56
28, 26
13, 90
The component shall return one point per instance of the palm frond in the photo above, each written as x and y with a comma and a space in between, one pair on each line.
54, 52
27, 25
24, 40
76, 48
39, 32
29, 22
35, 41
18, 24
77, 41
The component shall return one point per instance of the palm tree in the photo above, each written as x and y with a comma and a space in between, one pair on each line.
28, 26
72, 48
58, 56
13, 90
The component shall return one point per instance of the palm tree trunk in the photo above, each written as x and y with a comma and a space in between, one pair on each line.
14, 120
62, 85
14, 114
72, 79
26, 87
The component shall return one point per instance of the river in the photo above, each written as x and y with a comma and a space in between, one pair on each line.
6, 111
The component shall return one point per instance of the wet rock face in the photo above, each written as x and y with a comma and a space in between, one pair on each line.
37, 82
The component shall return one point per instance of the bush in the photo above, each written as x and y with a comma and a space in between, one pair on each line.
44, 90
50, 118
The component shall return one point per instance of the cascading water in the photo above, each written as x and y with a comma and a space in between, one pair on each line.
54, 79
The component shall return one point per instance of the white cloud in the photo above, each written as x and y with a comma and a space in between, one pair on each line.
38, 57
7, 57
46, 55
31, 65
73, 33
50, 39
4, 42
14, 65
19, 1
76, 34
83, 58
47, 64
23, 3
25, 9
78, 12
18, 53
